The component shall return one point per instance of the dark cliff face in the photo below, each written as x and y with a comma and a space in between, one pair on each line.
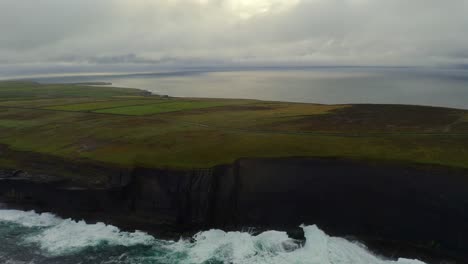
420, 206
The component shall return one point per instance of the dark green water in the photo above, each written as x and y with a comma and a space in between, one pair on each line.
27, 237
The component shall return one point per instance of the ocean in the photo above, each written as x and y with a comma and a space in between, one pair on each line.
415, 86
28, 237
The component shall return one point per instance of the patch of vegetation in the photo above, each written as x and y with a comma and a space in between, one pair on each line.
464, 118
164, 107
47, 102
380, 118
255, 115
104, 105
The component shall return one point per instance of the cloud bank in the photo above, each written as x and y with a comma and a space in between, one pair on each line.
121, 34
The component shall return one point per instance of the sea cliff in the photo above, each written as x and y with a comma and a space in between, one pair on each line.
395, 208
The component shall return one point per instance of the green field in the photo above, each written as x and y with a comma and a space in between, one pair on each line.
129, 128
47, 102
24, 90
107, 105
168, 106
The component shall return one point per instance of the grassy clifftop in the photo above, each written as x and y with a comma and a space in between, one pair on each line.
128, 127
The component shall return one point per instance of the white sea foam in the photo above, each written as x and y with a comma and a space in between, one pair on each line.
70, 236
29, 219
64, 236
236, 247
57, 236
277, 248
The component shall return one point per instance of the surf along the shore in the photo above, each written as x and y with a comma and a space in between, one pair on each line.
45, 238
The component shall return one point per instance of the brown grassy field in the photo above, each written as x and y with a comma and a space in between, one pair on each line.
124, 128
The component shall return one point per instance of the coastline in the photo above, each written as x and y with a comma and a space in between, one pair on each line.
410, 210
399, 184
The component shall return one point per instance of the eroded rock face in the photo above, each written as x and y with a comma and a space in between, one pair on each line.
422, 206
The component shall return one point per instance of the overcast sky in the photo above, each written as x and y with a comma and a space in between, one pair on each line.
108, 35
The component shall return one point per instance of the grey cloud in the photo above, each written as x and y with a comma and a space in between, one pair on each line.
171, 32
127, 58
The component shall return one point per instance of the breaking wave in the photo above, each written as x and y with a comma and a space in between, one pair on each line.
45, 238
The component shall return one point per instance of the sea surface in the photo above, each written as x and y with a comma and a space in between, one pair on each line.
417, 86
28, 237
